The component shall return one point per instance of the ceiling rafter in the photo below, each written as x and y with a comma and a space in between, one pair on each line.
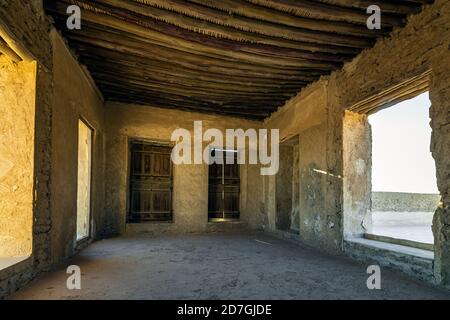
399, 7
242, 58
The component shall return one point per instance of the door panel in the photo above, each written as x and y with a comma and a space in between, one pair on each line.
151, 183
224, 189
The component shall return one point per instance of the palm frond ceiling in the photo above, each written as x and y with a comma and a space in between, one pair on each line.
242, 58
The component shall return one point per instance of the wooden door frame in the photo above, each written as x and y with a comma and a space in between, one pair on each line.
240, 184
154, 142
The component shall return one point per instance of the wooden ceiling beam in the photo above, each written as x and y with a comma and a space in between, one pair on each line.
98, 65
263, 105
269, 44
242, 58
311, 9
212, 37
174, 37
158, 101
403, 8
421, 2
155, 101
138, 100
140, 97
101, 61
261, 49
128, 46
88, 52
171, 56
151, 79
208, 21
279, 43
247, 16
188, 92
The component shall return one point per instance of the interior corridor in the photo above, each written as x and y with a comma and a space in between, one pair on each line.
232, 265
167, 147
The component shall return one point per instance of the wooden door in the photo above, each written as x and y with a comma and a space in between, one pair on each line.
151, 183
224, 189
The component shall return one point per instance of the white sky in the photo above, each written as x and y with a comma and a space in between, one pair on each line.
401, 156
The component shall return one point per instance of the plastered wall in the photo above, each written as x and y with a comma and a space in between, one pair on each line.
17, 96
420, 46
61, 93
24, 26
74, 98
357, 171
190, 184
305, 117
284, 188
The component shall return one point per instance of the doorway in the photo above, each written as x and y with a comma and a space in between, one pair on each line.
151, 183
85, 135
224, 187
287, 182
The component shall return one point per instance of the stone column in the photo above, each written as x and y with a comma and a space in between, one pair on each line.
440, 147
357, 154
42, 226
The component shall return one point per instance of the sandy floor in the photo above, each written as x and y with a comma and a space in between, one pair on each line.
219, 266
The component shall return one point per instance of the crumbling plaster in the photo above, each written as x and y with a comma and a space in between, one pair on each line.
17, 92
440, 147
284, 188
423, 44
319, 224
61, 93
24, 26
357, 183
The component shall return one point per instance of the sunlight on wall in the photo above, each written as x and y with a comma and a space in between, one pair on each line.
84, 180
401, 136
17, 98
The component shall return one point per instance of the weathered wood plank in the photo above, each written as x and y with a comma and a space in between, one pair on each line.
250, 17
259, 102
179, 39
98, 66
403, 8
308, 8
99, 63
219, 24
172, 55
153, 80
242, 58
